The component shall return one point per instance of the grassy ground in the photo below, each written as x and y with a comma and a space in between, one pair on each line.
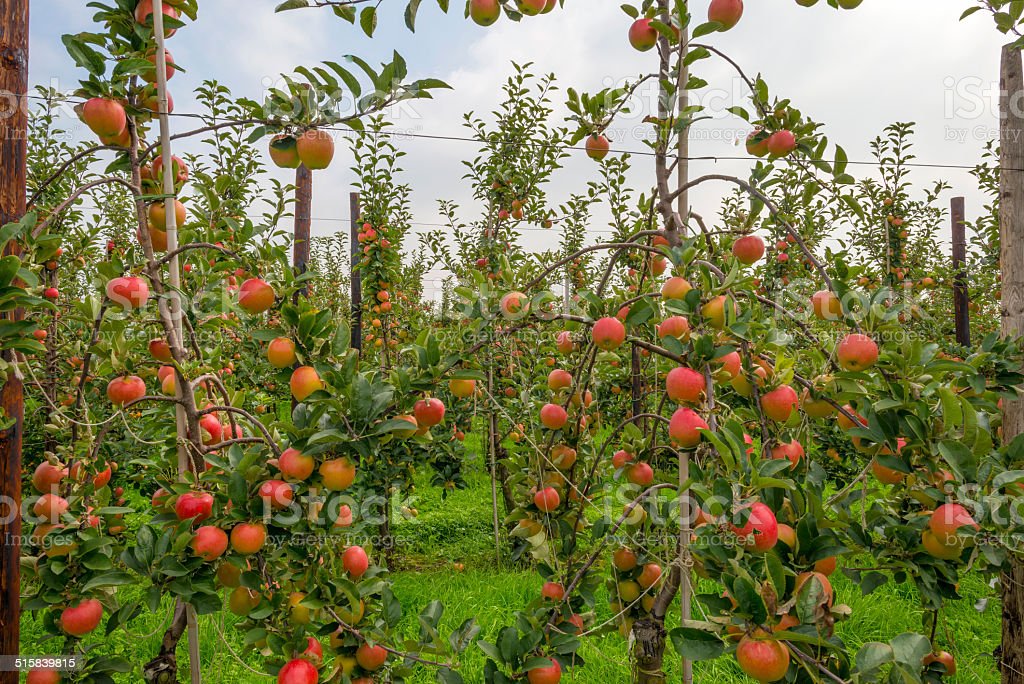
459, 530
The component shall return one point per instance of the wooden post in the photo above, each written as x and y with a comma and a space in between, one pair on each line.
13, 150
961, 300
303, 218
356, 279
683, 177
1011, 220
173, 300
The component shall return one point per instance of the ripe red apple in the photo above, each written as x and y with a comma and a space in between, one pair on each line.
685, 426
643, 36
685, 385
761, 531
294, 465
827, 306
121, 391
948, 519
47, 477
608, 333
787, 535
104, 117
211, 428
50, 507
552, 591
278, 494
563, 342
640, 474
428, 412
484, 12
780, 403
675, 326
620, 458
781, 143
624, 559
857, 352
210, 542
371, 658
160, 350
150, 76
765, 660
281, 352
180, 171
462, 388
551, 674
731, 364
514, 305
248, 538
597, 146
130, 292
725, 12
304, 381
81, 619
553, 416
649, 576
547, 499
314, 651
195, 506
793, 450
298, 671
338, 474
39, 675
748, 249
315, 148
144, 15
284, 151
559, 379
355, 561
255, 296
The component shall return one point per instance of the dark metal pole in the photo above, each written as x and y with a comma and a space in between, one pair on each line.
303, 218
13, 172
961, 299
357, 281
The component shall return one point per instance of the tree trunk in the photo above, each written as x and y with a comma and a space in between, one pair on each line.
163, 669
13, 147
1011, 219
649, 651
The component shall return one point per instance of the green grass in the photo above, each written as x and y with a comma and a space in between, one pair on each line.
459, 529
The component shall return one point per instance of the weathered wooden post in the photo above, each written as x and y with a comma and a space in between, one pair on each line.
13, 151
961, 299
1011, 220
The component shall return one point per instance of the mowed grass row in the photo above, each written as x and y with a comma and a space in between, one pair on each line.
458, 530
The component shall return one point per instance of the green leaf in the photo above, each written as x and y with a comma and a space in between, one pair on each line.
84, 56
368, 20
696, 644
291, 4
410, 14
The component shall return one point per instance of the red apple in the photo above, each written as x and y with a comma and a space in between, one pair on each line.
338, 474
255, 296
725, 12
195, 506
685, 385
608, 333
553, 416
130, 292
304, 381
642, 36
547, 499
104, 117
121, 391
315, 148
294, 465
685, 426
277, 494
281, 352
857, 352
597, 146
81, 619
298, 671
780, 403
210, 542
748, 249
781, 143
355, 561
428, 412
248, 538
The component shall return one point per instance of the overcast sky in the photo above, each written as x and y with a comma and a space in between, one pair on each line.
856, 71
